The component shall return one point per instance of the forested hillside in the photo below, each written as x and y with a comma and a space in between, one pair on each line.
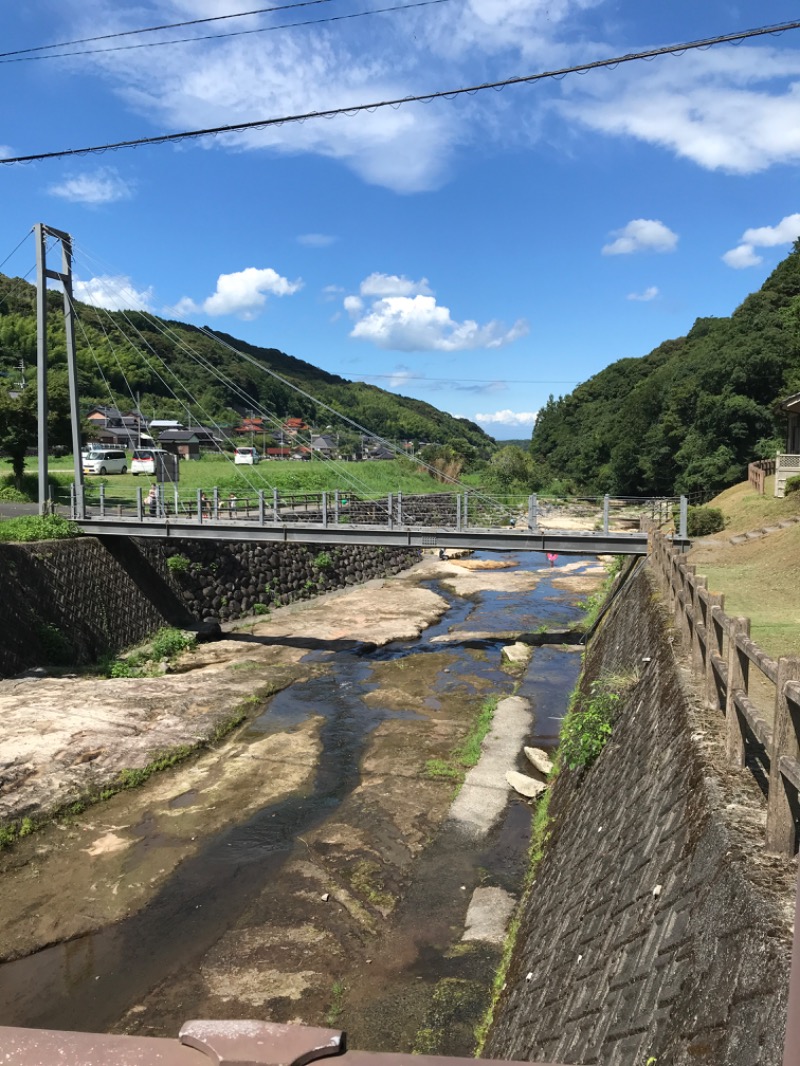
121, 354
689, 416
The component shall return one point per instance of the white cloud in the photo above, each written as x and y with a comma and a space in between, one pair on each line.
649, 293
102, 186
113, 292
724, 109
316, 240
393, 285
401, 375
642, 235
508, 418
744, 254
243, 293
786, 231
6, 151
419, 324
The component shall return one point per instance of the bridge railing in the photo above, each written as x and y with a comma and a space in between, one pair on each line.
453, 510
758, 696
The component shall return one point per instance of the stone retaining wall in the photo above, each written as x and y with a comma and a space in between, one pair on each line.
226, 580
70, 602
657, 930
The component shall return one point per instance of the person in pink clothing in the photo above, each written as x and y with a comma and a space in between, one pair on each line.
551, 558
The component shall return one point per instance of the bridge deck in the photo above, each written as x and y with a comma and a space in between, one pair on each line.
574, 542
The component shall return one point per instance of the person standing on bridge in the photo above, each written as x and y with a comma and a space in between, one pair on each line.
152, 500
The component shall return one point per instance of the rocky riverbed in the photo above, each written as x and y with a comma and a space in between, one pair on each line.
286, 871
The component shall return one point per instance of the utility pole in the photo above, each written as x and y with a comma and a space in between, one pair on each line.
42, 232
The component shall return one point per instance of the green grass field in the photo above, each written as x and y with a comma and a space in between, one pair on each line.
371, 477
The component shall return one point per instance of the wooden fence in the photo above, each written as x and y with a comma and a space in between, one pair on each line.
758, 472
722, 656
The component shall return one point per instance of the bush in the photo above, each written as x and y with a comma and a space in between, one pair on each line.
701, 521
168, 642
178, 564
587, 727
38, 527
792, 484
323, 561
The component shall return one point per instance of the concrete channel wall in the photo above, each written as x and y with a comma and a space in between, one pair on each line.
657, 930
69, 602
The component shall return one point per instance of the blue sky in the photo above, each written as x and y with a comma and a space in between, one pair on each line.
480, 252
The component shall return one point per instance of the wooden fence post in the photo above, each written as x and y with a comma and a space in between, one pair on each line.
714, 638
781, 828
699, 636
738, 674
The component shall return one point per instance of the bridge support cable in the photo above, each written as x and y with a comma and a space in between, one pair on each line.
154, 370
489, 502
64, 276
351, 422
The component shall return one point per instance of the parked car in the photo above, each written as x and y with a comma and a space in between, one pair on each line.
107, 461
144, 460
246, 456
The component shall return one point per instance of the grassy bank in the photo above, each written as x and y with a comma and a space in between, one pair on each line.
367, 477
759, 578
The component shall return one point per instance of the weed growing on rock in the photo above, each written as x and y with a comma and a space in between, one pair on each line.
178, 564
38, 527
169, 642
336, 1008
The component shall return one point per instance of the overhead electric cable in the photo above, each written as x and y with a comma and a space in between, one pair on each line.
526, 79
165, 26
233, 33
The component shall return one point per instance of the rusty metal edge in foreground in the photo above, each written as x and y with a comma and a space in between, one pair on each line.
200, 1043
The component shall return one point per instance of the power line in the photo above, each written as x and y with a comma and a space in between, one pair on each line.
447, 94
154, 29
233, 33
485, 381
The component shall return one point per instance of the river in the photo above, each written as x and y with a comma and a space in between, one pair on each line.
340, 899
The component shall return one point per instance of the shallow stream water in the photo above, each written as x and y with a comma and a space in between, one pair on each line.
90, 982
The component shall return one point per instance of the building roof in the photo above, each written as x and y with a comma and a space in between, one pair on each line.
186, 436
791, 403
323, 443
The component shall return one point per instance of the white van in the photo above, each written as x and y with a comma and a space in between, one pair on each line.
144, 460
246, 456
105, 461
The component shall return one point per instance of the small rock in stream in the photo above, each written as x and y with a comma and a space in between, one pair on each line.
539, 758
524, 785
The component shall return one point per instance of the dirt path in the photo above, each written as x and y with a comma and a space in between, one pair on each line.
298, 837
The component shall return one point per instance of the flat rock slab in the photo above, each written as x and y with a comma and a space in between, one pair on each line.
488, 915
484, 793
517, 654
526, 786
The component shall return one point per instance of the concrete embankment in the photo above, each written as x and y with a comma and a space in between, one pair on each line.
70, 602
657, 929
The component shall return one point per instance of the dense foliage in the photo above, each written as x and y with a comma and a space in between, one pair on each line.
121, 354
690, 416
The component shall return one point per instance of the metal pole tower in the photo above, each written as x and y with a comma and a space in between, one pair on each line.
42, 232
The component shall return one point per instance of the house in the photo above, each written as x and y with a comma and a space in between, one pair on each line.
279, 453
787, 464
182, 442
292, 426
324, 444
123, 436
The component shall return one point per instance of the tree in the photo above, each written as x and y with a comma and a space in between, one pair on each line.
18, 429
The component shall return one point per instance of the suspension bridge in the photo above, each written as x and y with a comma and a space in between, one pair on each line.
461, 517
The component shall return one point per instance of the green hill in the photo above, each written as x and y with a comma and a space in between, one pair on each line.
121, 354
692, 414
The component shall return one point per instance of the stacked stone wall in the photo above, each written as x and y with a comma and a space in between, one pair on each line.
226, 580
71, 602
657, 929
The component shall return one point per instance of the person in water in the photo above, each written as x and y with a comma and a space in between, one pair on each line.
552, 558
